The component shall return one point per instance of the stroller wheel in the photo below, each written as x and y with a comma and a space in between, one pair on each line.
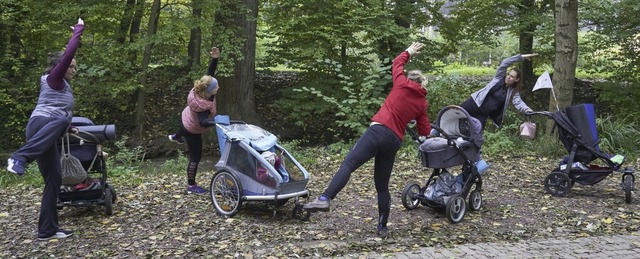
108, 201
475, 200
557, 184
409, 196
226, 193
114, 197
455, 209
627, 180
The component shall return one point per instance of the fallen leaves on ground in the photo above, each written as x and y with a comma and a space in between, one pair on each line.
157, 219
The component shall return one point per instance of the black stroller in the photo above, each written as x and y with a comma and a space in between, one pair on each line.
457, 142
577, 131
86, 146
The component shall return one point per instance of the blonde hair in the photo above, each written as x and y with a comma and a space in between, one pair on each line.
418, 77
200, 86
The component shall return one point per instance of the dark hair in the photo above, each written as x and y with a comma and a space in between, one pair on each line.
53, 59
519, 84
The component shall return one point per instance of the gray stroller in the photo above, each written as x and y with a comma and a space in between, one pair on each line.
254, 167
457, 143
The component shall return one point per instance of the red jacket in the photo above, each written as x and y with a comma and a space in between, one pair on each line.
406, 101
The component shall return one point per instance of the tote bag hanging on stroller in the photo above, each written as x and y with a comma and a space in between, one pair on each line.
72, 170
528, 129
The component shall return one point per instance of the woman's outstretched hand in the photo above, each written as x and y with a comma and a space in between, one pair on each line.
414, 48
80, 21
528, 56
215, 52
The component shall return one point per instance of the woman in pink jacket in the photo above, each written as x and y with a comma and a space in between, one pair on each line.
196, 118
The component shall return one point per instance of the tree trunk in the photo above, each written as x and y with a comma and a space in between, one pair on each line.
236, 96
134, 30
125, 21
141, 91
566, 45
195, 39
527, 30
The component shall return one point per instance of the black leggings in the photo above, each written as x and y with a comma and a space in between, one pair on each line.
194, 143
382, 143
472, 108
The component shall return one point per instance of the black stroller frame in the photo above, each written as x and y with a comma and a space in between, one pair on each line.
582, 150
86, 146
455, 205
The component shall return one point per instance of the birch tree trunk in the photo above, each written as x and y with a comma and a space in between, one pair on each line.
566, 45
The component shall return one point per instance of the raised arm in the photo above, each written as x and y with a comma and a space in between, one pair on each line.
397, 69
213, 65
501, 72
56, 75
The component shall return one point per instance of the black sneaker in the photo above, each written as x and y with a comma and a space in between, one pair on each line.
178, 140
318, 205
60, 234
383, 232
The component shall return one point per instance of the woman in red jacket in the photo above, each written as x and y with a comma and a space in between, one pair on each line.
406, 101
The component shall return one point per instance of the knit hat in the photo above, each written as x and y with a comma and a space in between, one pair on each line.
213, 85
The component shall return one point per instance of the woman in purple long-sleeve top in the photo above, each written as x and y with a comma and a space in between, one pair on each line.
48, 122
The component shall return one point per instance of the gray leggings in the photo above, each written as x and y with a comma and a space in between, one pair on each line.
377, 141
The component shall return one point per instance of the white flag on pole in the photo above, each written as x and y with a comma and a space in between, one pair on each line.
544, 81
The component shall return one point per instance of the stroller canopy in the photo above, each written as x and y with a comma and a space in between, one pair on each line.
254, 136
456, 122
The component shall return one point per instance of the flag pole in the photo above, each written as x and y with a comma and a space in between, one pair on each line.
555, 99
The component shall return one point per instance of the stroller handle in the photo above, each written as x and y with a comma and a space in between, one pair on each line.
416, 137
544, 113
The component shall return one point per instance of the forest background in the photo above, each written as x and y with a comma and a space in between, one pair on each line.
314, 72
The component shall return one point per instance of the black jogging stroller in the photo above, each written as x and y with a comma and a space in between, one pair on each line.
457, 143
86, 145
577, 131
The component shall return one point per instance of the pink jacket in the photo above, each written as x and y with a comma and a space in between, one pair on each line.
195, 104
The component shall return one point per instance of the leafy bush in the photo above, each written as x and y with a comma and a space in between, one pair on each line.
127, 161
619, 136
338, 100
363, 95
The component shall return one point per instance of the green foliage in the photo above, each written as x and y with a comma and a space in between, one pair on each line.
170, 166
619, 136
363, 94
504, 141
125, 160
31, 177
444, 90
613, 49
300, 32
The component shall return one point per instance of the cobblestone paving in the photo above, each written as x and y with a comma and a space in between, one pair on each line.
613, 247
